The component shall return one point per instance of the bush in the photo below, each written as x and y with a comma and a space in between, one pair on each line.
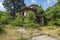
4, 17
30, 20
50, 23
18, 21
52, 14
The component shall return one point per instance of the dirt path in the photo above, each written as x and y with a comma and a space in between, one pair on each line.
43, 37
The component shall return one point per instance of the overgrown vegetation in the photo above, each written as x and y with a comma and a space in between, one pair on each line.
30, 20
4, 18
51, 28
15, 34
18, 21
52, 17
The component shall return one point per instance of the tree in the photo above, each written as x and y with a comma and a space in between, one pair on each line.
30, 17
13, 6
52, 15
58, 2
39, 9
40, 15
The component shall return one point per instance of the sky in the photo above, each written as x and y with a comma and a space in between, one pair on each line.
44, 3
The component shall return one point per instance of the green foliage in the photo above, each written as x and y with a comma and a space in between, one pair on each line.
4, 16
13, 6
31, 25
58, 2
30, 20
50, 23
39, 9
53, 15
18, 21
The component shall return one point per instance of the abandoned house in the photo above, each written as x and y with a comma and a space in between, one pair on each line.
40, 19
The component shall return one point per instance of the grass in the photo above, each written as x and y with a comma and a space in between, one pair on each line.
12, 32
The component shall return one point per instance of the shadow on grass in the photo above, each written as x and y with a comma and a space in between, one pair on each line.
2, 31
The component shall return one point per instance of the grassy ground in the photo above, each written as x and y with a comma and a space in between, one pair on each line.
15, 33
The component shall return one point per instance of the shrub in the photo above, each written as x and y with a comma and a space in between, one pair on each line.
4, 17
50, 23
52, 14
30, 20
18, 21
